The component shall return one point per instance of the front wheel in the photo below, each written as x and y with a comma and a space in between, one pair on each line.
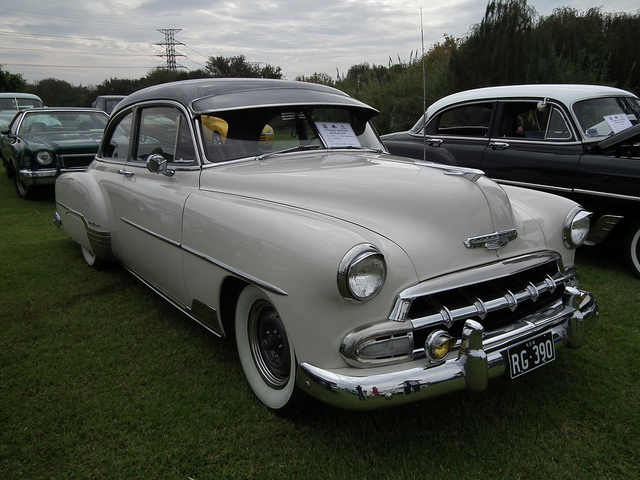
632, 249
24, 191
266, 354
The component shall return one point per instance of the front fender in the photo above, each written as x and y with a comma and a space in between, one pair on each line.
294, 255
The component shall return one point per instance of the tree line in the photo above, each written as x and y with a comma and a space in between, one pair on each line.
511, 44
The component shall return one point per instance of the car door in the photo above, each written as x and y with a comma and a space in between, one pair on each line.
608, 176
150, 205
533, 144
460, 133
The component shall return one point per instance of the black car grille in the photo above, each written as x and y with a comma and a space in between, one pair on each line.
81, 160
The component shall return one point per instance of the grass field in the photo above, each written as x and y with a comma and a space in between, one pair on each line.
100, 378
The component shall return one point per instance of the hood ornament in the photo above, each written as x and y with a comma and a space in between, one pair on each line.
492, 241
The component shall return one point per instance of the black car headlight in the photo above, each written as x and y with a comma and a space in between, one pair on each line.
44, 157
576, 227
362, 273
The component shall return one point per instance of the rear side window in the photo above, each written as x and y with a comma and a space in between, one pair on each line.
533, 120
466, 120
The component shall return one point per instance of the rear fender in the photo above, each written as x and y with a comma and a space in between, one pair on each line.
83, 213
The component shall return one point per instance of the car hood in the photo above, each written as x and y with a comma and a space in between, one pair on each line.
426, 209
88, 141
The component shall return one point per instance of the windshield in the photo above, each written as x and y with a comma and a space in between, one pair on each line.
53, 121
601, 117
256, 132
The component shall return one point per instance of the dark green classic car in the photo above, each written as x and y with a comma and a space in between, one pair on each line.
39, 144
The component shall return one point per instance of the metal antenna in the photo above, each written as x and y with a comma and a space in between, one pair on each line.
424, 93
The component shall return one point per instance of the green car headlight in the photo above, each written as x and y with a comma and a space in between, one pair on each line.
576, 227
362, 273
44, 157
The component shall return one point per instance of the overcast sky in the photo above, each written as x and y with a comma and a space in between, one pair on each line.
86, 43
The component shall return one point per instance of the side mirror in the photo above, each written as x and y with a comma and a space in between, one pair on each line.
542, 106
156, 163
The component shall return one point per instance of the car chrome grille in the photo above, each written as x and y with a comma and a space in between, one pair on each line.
490, 302
512, 292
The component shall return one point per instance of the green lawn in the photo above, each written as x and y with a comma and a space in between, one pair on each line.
100, 378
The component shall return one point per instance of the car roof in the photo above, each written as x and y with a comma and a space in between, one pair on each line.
565, 93
19, 95
61, 109
215, 94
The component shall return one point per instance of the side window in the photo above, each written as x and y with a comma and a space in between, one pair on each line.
118, 146
531, 121
466, 120
165, 131
557, 128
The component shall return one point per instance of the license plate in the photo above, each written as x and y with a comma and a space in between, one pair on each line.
529, 355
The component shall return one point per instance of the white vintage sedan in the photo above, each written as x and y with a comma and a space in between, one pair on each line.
269, 211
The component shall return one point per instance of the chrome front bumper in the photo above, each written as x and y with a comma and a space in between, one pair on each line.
478, 360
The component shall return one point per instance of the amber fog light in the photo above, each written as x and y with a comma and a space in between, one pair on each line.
438, 345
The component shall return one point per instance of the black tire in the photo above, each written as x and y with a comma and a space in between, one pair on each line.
8, 169
266, 354
25, 192
632, 249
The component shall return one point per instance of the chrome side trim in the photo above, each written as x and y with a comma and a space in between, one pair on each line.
214, 327
581, 191
99, 241
617, 196
602, 228
244, 276
533, 185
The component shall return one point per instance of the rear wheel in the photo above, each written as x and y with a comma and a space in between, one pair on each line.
92, 260
632, 248
266, 354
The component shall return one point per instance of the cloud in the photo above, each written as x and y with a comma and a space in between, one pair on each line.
88, 42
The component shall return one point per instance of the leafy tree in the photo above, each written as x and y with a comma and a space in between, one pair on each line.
320, 78
238, 67
57, 93
11, 82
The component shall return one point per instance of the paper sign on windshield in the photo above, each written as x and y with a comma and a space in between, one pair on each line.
618, 122
338, 134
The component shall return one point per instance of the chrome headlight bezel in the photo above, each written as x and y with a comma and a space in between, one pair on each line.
44, 157
576, 227
362, 273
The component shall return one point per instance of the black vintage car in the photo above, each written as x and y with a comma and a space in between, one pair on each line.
579, 141
41, 143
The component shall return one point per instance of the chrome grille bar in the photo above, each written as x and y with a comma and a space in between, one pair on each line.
482, 307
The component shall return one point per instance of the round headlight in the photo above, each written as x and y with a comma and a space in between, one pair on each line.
44, 157
576, 227
362, 273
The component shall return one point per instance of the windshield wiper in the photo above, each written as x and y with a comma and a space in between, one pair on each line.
299, 148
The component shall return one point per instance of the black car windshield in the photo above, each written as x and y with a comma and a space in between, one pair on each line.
46, 122
601, 117
236, 134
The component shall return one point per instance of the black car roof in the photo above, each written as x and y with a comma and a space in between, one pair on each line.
207, 95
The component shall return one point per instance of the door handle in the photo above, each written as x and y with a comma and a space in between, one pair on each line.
499, 145
434, 142
126, 173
